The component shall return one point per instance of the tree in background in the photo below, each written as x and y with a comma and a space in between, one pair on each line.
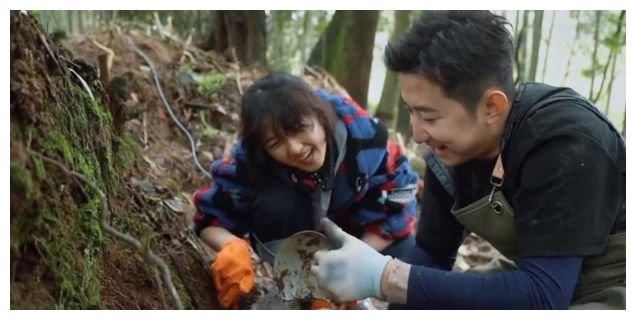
614, 41
244, 31
593, 70
537, 28
283, 40
290, 37
345, 50
577, 33
548, 42
521, 44
390, 99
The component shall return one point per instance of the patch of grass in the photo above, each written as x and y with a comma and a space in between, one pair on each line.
205, 129
209, 83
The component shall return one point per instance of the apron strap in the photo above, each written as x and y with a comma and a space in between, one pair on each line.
497, 177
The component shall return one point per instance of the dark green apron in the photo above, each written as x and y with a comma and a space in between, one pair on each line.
601, 283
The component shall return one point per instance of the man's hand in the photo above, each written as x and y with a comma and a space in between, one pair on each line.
233, 272
352, 271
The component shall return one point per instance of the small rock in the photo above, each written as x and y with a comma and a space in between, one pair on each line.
175, 204
145, 186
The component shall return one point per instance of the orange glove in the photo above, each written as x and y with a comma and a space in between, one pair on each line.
233, 272
351, 305
320, 304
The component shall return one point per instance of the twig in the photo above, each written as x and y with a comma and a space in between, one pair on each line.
195, 104
238, 81
184, 281
238, 71
104, 69
165, 103
145, 130
216, 65
48, 49
189, 55
84, 84
185, 47
105, 217
155, 273
313, 72
192, 240
163, 32
105, 64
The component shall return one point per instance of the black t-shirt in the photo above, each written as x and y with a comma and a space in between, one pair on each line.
564, 177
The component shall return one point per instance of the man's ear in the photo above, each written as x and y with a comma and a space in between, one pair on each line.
496, 105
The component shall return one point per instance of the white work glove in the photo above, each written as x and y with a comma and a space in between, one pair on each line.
352, 270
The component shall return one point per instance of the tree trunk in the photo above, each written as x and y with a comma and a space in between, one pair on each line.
520, 53
307, 34
390, 91
608, 97
80, 20
69, 20
345, 50
547, 47
536, 44
610, 86
243, 31
577, 33
611, 59
624, 132
597, 26
280, 57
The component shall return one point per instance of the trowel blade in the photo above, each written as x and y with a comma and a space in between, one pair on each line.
292, 266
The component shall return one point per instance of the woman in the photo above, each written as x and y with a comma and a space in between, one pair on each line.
303, 154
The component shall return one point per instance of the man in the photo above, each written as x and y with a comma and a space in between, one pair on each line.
535, 170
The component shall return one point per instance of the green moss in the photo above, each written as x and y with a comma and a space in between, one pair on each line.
21, 224
80, 95
21, 179
40, 171
65, 223
127, 151
56, 141
69, 233
73, 244
209, 83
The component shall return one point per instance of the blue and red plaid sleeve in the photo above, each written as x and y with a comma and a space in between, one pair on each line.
224, 202
388, 207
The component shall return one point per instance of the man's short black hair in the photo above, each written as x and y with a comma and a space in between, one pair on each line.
464, 52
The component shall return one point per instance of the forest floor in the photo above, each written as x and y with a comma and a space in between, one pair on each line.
203, 90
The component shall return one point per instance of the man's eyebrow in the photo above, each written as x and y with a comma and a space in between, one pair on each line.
423, 109
418, 108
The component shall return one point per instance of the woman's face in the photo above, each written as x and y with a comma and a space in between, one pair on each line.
304, 150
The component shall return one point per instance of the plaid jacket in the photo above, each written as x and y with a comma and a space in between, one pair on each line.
373, 189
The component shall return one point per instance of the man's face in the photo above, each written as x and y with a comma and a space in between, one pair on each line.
454, 134
304, 150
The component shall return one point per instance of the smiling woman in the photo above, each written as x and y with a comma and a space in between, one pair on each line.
304, 150
303, 154
284, 115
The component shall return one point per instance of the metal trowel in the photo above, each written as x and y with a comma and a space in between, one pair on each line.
292, 266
